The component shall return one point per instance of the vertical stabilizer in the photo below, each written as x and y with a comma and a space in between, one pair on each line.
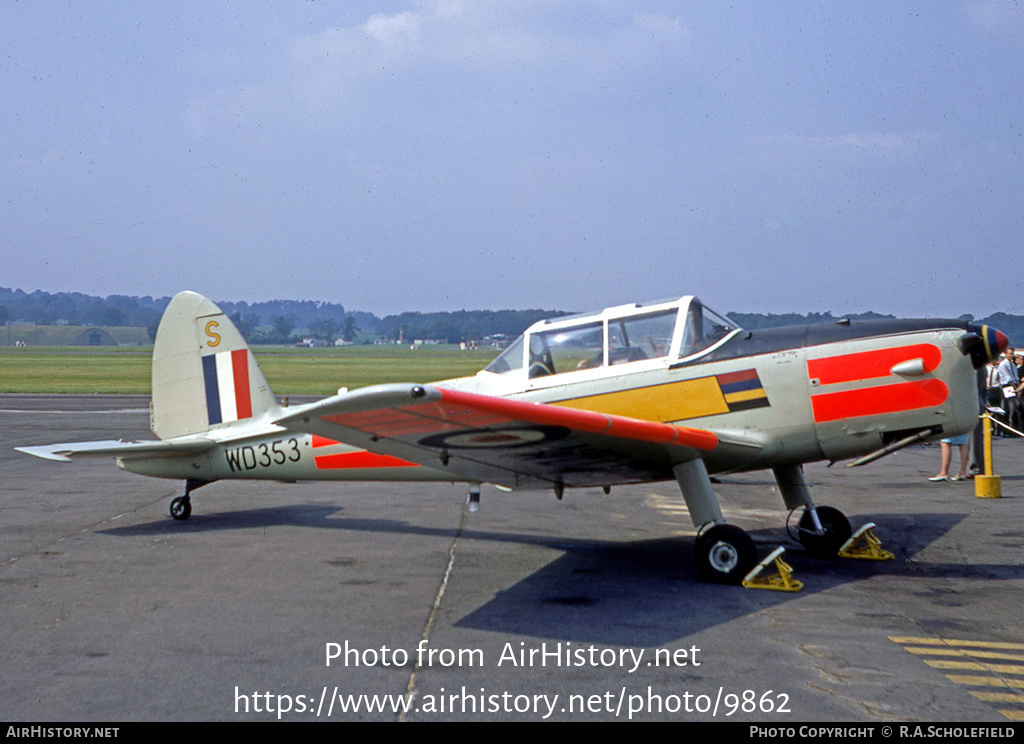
204, 374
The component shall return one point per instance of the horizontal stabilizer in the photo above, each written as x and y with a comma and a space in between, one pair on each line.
116, 448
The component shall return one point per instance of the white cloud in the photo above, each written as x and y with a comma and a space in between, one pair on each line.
485, 49
397, 29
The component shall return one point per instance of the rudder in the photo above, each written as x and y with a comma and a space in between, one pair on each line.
204, 374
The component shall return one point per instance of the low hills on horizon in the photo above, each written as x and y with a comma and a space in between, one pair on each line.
277, 321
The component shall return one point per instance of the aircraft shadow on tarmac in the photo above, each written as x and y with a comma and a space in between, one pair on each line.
630, 593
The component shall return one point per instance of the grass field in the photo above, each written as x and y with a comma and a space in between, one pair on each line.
289, 371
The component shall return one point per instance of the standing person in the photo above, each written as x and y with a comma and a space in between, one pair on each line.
994, 396
1008, 379
1018, 362
947, 459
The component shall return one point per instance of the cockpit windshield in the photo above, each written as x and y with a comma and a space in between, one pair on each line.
509, 360
704, 327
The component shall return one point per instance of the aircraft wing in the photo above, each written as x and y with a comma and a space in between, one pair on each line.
116, 448
499, 440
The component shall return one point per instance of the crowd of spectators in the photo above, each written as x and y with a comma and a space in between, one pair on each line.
1004, 390
1004, 399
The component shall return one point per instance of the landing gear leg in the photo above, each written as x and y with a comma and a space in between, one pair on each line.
181, 507
822, 530
723, 553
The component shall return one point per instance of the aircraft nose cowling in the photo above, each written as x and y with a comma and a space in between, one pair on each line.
982, 344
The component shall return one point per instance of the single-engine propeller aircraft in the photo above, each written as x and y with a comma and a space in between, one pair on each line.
636, 393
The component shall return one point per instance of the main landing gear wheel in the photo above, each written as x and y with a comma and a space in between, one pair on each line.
725, 554
181, 507
837, 531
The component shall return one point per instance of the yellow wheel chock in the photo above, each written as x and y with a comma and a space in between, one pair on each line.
871, 550
782, 582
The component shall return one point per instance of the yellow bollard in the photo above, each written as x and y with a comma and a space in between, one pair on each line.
987, 486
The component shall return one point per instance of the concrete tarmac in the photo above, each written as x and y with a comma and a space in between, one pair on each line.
530, 608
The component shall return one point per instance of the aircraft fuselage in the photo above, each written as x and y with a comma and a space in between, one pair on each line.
797, 394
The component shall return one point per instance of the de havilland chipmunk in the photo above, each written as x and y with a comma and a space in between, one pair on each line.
631, 394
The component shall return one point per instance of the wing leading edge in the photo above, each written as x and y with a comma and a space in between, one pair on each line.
498, 440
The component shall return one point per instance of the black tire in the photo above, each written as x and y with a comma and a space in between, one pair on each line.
837, 531
181, 507
725, 554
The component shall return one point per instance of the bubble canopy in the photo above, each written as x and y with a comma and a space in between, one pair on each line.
628, 334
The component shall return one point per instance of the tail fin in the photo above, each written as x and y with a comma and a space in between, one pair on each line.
204, 374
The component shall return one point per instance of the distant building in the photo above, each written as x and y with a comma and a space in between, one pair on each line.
94, 337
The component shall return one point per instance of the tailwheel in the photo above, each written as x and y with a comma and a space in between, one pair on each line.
181, 507
725, 554
836, 532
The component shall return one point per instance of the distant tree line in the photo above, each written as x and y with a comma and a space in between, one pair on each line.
74, 308
278, 321
463, 325
272, 322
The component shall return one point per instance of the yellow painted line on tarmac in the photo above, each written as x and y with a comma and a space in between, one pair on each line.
975, 681
999, 697
976, 656
955, 642
975, 666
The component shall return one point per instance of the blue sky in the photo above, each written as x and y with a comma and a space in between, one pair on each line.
572, 154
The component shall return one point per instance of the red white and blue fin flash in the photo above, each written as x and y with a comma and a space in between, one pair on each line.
228, 395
